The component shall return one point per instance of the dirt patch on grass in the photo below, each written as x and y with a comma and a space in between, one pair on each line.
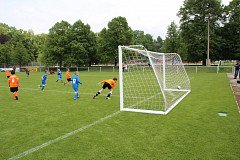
235, 88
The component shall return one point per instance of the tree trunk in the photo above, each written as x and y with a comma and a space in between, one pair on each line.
204, 62
115, 62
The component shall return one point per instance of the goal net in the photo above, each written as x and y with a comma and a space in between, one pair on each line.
151, 82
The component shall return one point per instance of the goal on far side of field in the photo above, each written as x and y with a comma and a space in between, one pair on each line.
151, 82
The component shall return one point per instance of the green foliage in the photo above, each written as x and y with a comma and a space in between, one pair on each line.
17, 46
103, 46
194, 16
82, 45
230, 32
5, 54
20, 54
171, 43
4, 33
158, 43
70, 44
57, 46
147, 41
40, 43
118, 33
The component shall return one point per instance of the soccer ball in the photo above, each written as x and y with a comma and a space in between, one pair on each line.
178, 87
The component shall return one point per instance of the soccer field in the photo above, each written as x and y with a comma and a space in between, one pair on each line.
51, 125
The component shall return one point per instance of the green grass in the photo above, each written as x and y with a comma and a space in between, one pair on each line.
192, 130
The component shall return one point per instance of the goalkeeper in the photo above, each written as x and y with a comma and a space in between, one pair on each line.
110, 84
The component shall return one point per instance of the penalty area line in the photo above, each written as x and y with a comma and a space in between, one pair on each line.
25, 153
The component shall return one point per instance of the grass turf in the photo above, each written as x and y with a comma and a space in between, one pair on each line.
192, 130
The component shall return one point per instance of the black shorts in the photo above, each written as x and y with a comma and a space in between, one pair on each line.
106, 85
69, 79
8, 77
13, 89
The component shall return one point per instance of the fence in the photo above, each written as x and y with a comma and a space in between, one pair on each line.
209, 69
189, 69
82, 69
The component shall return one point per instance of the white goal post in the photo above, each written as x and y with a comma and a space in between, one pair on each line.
151, 82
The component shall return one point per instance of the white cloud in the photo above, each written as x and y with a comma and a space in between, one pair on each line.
152, 16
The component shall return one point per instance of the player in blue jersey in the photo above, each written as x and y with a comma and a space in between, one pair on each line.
59, 73
44, 80
75, 82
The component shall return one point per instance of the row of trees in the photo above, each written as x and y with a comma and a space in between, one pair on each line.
191, 39
68, 45
16, 46
76, 44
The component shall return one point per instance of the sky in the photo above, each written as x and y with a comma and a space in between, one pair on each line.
151, 16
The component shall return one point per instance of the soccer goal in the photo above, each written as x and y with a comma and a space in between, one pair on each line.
151, 82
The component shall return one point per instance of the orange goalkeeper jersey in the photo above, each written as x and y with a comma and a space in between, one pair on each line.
111, 82
13, 81
68, 75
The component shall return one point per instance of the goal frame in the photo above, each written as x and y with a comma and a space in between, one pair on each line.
162, 88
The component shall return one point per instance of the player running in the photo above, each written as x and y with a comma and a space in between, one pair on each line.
13, 81
44, 80
75, 82
110, 84
59, 73
27, 72
68, 77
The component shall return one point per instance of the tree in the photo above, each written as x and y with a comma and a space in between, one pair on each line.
158, 43
140, 38
5, 54
230, 31
171, 43
16, 46
194, 16
118, 33
5, 46
40, 43
148, 42
20, 54
103, 46
82, 44
30, 44
57, 45
4, 33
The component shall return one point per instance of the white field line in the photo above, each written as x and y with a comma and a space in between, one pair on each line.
25, 153
46, 90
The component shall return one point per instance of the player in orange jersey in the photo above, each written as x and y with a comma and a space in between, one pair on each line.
68, 77
13, 81
8, 74
110, 84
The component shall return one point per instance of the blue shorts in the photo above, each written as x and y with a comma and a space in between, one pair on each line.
75, 89
43, 82
60, 76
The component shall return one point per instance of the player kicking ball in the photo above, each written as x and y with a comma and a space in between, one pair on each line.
110, 84
75, 82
